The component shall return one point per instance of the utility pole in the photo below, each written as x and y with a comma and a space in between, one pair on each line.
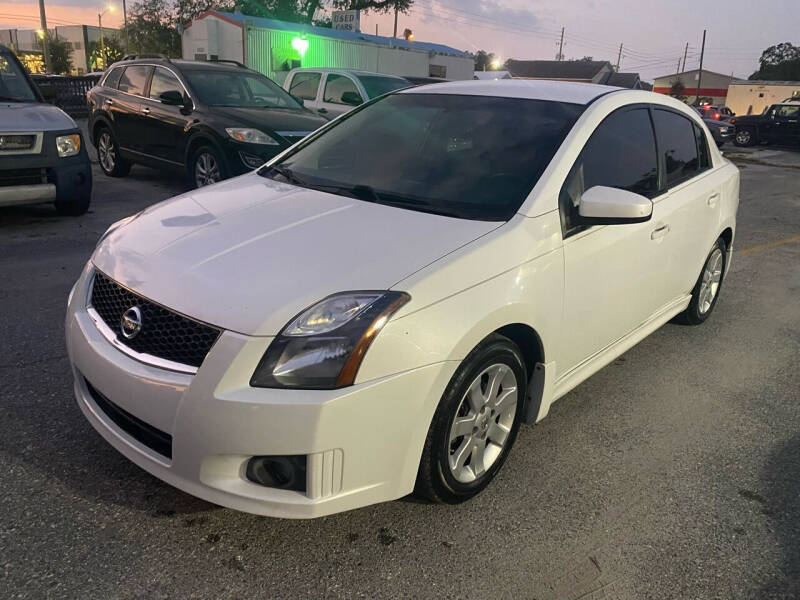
619, 56
678, 70
561, 46
125, 24
395, 21
685, 52
45, 49
700, 72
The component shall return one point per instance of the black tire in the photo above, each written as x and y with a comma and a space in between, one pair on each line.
745, 136
700, 308
206, 153
74, 207
435, 479
108, 156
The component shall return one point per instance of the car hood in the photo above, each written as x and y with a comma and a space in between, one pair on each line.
250, 253
33, 116
274, 119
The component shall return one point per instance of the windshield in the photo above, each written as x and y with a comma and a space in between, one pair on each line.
243, 89
14, 87
472, 157
378, 86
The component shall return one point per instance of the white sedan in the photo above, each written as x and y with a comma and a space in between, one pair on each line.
379, 309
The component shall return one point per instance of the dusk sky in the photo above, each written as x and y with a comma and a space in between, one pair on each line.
653, 34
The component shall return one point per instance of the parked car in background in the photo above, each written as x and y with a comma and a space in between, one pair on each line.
43, 156
332, 92
721, 131
779, 124
380, 309
212, 120
716, 113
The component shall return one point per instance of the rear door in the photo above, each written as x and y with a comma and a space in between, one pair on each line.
340, 94
306, 85
690, 200
165, 124
126, 108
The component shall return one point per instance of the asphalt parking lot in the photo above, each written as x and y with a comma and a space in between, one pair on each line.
672, 473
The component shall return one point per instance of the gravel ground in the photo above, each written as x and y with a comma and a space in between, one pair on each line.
672, 473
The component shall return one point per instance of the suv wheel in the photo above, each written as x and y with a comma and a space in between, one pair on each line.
207, 167
475, 424
108, 156
745, 137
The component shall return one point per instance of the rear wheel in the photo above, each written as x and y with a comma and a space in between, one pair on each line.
475, 424
108, 155
706, 290
745, 137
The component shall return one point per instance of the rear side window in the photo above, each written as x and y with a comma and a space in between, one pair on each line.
304, 85
112, 79
678, 144
621, 154
133, 79
338, 85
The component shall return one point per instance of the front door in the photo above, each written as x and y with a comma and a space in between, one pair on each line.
306, 86
339, 96
614, 274
787, 124
164, 123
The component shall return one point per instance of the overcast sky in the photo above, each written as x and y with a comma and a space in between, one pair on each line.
653, 34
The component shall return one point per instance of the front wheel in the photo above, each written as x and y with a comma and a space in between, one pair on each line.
706, 291
74, 207
207, 167
745, 137
475, 424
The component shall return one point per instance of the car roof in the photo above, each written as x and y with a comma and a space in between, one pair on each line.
350, 71
186, 65
557, 91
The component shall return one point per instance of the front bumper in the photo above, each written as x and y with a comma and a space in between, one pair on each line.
56, 179
362, 444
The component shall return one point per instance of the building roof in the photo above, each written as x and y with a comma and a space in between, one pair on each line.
623, 80
556, 69
556, 91
765, 82
696, 71
353, 36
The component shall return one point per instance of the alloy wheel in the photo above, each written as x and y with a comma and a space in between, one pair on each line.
206, 170
712, 276
106, 153
743, 137
483, 423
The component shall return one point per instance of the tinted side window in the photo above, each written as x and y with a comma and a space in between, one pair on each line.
112, 79
787, 112
133, 79
304, 85
336, 86
621, 154
164, 81
678, 144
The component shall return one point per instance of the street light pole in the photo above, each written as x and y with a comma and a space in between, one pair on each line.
45, 49
125, 24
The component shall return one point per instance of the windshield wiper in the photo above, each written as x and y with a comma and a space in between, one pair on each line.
288, 175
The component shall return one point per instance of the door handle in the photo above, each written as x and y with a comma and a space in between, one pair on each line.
146, 110
712, 199
659, 232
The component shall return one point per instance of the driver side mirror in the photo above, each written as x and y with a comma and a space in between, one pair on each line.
602, 205
352, 98
171, 98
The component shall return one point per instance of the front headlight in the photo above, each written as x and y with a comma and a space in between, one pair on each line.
322, 348
250, 136
68, 145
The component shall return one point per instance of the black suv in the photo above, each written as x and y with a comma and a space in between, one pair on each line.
212, 119
779, 124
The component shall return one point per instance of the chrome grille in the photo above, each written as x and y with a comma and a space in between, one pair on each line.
20, 143
164, 334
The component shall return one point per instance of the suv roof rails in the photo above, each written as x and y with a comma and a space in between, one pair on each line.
138, 56
233, 62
